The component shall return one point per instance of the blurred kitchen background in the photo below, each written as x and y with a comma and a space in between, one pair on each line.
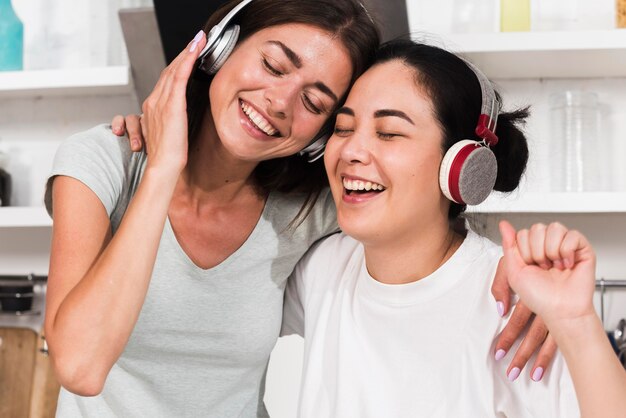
76, 68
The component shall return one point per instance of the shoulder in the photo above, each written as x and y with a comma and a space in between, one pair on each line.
481, 249
330, 257
99, 159
94, 143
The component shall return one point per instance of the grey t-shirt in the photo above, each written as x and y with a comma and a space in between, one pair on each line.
201, 345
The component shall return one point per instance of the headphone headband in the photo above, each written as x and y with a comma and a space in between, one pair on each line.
489, 110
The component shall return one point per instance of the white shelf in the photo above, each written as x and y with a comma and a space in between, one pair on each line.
19, 217
65, 82
565, 54
588, 202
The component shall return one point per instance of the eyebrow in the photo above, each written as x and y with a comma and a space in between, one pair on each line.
378, 114
392, 112
297, 62
291, 55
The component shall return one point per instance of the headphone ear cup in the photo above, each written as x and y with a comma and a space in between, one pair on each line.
468, 172
214, 59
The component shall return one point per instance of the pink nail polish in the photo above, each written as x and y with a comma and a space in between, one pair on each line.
196, 39
537, 374
500, 307
500, 354
514, 373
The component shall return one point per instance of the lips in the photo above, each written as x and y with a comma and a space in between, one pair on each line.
358, 190
258, 120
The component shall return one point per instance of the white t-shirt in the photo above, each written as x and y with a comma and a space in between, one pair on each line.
423, 349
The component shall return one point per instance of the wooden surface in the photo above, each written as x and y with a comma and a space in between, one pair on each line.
28, 388
17, 361
45, 389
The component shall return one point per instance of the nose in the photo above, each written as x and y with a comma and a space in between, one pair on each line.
356, 149
280, 99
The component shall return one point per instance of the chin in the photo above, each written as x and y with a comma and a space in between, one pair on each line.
362, 230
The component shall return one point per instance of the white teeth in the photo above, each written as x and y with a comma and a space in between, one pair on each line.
258, 120
361, 185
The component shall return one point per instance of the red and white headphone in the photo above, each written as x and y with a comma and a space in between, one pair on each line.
469, 168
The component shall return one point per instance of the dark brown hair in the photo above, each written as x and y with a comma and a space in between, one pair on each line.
348, 21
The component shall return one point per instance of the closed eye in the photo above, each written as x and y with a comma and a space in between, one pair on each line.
341, 132
271, 69
311, 107
386, 136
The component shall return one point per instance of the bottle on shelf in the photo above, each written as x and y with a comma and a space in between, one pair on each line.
514, 15
11, 38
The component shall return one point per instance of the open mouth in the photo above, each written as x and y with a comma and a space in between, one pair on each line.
361, 187
258, 121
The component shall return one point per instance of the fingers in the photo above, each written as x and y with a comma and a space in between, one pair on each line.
544, 358
514, 259
173, 80
513, 329
135, 133
500, 289
550, 246
179, 71
532, 342
118, 126
573, 243
537, 243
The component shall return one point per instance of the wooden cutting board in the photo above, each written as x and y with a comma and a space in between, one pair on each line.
27, 384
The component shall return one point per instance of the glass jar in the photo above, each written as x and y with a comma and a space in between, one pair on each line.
580, 159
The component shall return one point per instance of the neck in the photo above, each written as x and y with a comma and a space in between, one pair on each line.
409, 260
212, 174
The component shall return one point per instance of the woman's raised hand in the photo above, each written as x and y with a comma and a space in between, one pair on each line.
162, 129
552, 269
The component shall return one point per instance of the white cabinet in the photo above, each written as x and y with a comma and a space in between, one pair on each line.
65, 82
527, 67
565, 54
41, 108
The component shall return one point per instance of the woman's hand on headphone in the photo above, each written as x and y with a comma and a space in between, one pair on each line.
162, 128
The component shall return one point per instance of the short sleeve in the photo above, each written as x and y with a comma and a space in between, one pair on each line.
97, 158
293, 307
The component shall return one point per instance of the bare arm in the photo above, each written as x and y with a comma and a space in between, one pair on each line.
561, 291
97, 283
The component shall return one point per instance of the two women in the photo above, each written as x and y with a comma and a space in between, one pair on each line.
168, 267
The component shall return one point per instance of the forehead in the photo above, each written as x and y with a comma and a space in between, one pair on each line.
390, 85
309, 41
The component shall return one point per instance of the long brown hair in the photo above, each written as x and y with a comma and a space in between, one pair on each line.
347, 20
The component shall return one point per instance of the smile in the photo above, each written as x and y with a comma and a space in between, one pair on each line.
361, 186
258, 120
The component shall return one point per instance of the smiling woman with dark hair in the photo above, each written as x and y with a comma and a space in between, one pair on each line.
395, 310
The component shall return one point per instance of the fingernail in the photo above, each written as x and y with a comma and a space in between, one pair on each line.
196, 39
538, 374
569, 263
135, 143
514, 373
500, 354
500, 307
558, 264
